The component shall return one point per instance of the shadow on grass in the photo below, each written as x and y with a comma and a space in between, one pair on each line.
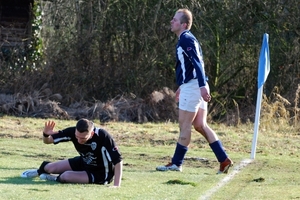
18, 180
25, 181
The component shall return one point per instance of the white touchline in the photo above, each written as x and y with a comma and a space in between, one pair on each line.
226, 179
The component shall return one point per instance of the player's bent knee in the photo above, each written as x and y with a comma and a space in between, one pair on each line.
200, 129
65, 177
49, 168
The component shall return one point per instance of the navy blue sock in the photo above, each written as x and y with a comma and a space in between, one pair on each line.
219, 151
179, 154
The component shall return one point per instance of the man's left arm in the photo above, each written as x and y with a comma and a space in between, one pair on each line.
194, 53
118, 174
116, 158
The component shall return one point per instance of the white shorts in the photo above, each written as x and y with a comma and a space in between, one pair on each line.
190, 98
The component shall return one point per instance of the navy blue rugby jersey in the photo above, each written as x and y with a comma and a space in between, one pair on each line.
189, 60
97, 153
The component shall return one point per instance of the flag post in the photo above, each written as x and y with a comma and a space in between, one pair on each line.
256, 124
263, 72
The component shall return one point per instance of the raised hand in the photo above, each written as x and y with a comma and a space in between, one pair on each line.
49, 127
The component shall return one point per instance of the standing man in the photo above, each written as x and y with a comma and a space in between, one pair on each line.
99, 159
193, 95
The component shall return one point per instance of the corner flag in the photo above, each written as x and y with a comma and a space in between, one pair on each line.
263, 72
264, 61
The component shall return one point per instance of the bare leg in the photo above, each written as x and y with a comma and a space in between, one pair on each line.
202, 127
186, 119
58, 167
66, 174
74, 177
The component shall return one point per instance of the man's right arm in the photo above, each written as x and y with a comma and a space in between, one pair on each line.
48, 131
48, 140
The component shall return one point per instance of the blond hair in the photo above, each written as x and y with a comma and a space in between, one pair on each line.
187, 17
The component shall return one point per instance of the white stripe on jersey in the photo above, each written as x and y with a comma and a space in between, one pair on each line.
180, 52
106, 158
96, 130
61, 139
198, 55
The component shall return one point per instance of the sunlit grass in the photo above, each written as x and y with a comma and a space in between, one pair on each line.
143, 147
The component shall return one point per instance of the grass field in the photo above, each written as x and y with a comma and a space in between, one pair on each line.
273, 174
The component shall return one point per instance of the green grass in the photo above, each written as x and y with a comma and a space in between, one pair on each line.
272, 175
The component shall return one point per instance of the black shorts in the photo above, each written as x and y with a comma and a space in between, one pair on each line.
97, 177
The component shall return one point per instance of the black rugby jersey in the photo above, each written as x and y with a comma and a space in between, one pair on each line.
98, 153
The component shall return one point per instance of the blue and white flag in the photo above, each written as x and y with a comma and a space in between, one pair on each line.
264, 61
263, 72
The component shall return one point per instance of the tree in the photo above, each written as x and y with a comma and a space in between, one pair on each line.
101, 49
